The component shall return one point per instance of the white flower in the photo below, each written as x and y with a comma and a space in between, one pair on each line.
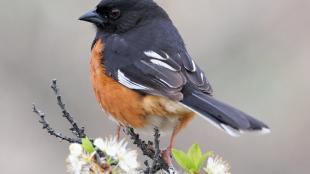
75, 149
119, 159
77, 162
215, 165
99, 143
127, 159
110, 145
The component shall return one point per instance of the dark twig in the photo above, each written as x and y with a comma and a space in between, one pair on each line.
50, 130
157, 152
150, 151
79, 132
146, 148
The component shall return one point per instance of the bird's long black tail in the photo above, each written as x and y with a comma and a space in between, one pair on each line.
231, 120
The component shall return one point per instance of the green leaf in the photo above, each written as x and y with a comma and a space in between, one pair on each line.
183, 160
87, 145
193, 160
203, 158
194, 153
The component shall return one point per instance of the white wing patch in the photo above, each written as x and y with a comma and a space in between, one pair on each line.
192, 62
163, 64
202, 76
194, 66
156, 55
167, 56
168, 84
128, 83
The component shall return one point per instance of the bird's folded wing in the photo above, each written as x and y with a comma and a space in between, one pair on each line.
159, 72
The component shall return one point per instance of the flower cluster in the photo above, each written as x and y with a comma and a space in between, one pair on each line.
78, 161
216, 165
126, 159
116, 158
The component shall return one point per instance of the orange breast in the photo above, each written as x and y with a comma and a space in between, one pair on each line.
124, 104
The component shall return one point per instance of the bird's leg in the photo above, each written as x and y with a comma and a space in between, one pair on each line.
166, 154
118, 131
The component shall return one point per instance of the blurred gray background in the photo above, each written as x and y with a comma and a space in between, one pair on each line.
255, 53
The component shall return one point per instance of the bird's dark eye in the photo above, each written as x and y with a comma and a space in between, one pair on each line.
115, 14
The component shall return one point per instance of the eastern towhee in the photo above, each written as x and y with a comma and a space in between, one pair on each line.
143, 76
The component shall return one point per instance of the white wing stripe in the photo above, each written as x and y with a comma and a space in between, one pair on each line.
194, 66
128, 83
168, 84
163, 64
154, 55
202, 76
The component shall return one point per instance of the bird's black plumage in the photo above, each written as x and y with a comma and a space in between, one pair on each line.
145, 52
128, 53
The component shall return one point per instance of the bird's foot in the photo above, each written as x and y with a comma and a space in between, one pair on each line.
166, 155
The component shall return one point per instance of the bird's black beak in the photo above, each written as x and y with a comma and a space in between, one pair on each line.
93, 17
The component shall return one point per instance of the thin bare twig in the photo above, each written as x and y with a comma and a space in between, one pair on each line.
79, 132
50, 130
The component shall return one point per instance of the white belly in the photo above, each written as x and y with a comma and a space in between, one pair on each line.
164, 124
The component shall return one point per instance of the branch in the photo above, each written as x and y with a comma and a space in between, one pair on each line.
50, 130
149, 151
156, 159
79, 132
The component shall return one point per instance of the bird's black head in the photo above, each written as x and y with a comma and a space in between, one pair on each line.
117, 16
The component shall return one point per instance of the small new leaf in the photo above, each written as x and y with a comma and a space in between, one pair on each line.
87, 145
183, 160
191, 161
194, 153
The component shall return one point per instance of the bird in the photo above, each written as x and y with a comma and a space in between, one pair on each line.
143, 76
